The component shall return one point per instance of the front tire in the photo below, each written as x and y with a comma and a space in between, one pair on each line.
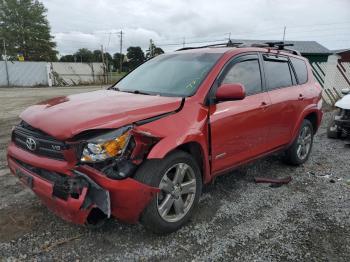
179, 178
299, 152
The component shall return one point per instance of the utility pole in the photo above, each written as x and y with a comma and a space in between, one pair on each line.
151, 48
121, 50
104, 65
109, 39
183, 42
6, 68
284, 33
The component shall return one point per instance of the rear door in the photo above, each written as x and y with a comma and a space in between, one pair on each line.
238, 128
305, 90
284, 95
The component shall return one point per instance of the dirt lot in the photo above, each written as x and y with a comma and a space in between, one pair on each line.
306, 220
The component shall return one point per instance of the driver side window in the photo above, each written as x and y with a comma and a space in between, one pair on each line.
247, 73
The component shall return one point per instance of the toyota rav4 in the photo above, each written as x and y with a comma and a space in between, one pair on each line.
142, 149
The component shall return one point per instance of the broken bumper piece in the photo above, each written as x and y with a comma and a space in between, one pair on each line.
79, 194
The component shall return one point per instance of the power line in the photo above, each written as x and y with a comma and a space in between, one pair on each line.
189, 43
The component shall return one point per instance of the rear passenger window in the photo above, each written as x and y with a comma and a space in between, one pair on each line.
247, 73
278, 74
300, 69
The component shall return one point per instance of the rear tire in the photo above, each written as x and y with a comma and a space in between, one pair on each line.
332, 129
174, 205
299, 152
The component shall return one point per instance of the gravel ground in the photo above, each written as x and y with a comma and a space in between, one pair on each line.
306, 220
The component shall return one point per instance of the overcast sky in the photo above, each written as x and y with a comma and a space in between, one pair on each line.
92, 23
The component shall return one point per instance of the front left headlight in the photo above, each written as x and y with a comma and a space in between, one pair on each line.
106, 146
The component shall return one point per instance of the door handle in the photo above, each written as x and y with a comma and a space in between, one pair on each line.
301, 97
264, 104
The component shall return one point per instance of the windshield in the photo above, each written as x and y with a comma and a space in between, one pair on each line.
170, 75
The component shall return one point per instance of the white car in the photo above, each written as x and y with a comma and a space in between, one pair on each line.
340, 123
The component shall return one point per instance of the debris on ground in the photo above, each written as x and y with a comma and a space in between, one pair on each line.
48, 247
274, 182
330, 176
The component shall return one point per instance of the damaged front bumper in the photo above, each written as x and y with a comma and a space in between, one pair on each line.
79, 194
342, 122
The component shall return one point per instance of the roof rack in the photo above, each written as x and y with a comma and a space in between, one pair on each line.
278, 46
228, 44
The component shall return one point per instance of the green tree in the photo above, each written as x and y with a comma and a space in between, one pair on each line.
26, 30
116, 60
154, 51
135, 56
97, 56
68, 58
84, 55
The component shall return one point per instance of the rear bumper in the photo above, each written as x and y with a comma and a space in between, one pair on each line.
122, 199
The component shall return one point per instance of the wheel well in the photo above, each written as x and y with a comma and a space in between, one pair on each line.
195, 150
312, 117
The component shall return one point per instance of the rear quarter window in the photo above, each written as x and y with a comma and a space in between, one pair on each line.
300, 69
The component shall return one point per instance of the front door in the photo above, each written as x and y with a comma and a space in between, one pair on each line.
238, 128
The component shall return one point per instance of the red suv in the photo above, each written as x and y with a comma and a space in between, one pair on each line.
142, 149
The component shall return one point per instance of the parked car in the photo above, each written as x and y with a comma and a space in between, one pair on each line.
339, 126
143, 149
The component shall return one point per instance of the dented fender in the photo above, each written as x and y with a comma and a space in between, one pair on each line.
172, 134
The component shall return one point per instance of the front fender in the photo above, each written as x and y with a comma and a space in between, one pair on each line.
190, 125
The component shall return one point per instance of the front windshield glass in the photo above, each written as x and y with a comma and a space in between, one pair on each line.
170, 75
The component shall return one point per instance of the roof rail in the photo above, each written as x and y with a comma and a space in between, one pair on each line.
228, 44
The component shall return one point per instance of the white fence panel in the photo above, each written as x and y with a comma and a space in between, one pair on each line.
51, 74
3, 77
25, 73
67, 74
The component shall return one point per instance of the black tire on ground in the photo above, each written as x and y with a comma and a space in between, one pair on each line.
151, 173
332, 130
291, 154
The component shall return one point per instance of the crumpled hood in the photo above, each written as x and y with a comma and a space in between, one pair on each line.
64, 117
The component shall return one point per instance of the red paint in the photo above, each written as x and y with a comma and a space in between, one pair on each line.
128, 197
241, 131
65, 117
230, 92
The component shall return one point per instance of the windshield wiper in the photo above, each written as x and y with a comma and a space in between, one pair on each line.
136, 92
113, 88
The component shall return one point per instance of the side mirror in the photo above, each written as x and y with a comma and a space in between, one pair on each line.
228, 92
345, 91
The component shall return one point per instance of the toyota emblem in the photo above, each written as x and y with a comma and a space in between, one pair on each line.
31, 144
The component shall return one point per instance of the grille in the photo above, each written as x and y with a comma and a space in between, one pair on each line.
346, 115
43, 145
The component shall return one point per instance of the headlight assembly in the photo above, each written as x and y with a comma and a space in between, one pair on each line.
106, 146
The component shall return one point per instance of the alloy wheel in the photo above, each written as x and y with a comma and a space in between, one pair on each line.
304, 142
178, 190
